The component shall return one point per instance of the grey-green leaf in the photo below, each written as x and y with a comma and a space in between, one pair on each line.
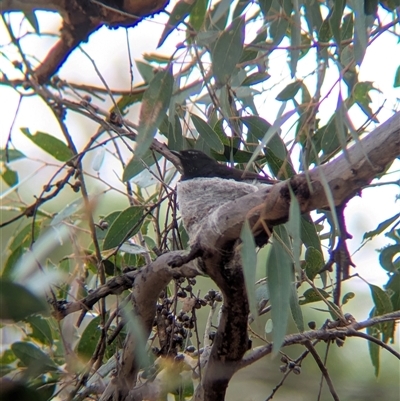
280, 276
137, 165
51, 145
208, 134
9, 155
155, 103
249, 261
124, 226
16, 302
227, 51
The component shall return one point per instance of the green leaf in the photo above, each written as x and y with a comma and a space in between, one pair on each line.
180, 11
383, 305
11, 261
32, 356
137, 165
16, 302
396, 82
289, 92
311, 295
346, 297
336, 19
280, 276
279, 25
293, 226
361, 96
249, 262
32, 19
393, 286
208, 134
360, 31
374, 349
175, 135
295, 309
256, 78
386, 258
68, 211
265, 5
41, 330
198, 14
13, 154
9, 176
89, 338
347, 27
309, 234
127, 100
295, 38
314, 262
227, 51
155, 103
146, 70
124, 226
51, 145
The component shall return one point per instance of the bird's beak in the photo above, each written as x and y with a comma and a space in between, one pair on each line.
177, 154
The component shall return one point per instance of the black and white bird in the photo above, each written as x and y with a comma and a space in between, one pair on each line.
206, 186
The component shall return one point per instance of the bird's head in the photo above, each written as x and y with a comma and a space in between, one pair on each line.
194, 163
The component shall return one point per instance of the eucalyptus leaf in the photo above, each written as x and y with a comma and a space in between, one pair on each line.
124, 226
227, 51
155, 103
249, 263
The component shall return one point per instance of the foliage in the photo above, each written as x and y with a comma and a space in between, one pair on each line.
208, 95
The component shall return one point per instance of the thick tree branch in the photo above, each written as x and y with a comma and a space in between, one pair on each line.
345, 177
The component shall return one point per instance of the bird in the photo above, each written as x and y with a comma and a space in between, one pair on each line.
196, 164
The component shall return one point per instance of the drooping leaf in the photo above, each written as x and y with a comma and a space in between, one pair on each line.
16, 302
155, 103
51, 145
249, 262
289, 92
31, 356
309, 234
227, 51
208, 134
256, 78
13, 154
295, 38
396, 82
383, 305
41, 330
293, 226
124, 226
381, 227
9, 176
393, 286
360, 31
32, 19
137, 165
180, 11
314, 262
280, 23
89, 339
336, 19
295, 309
198, 14
146, 70
280, 277
347, 27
